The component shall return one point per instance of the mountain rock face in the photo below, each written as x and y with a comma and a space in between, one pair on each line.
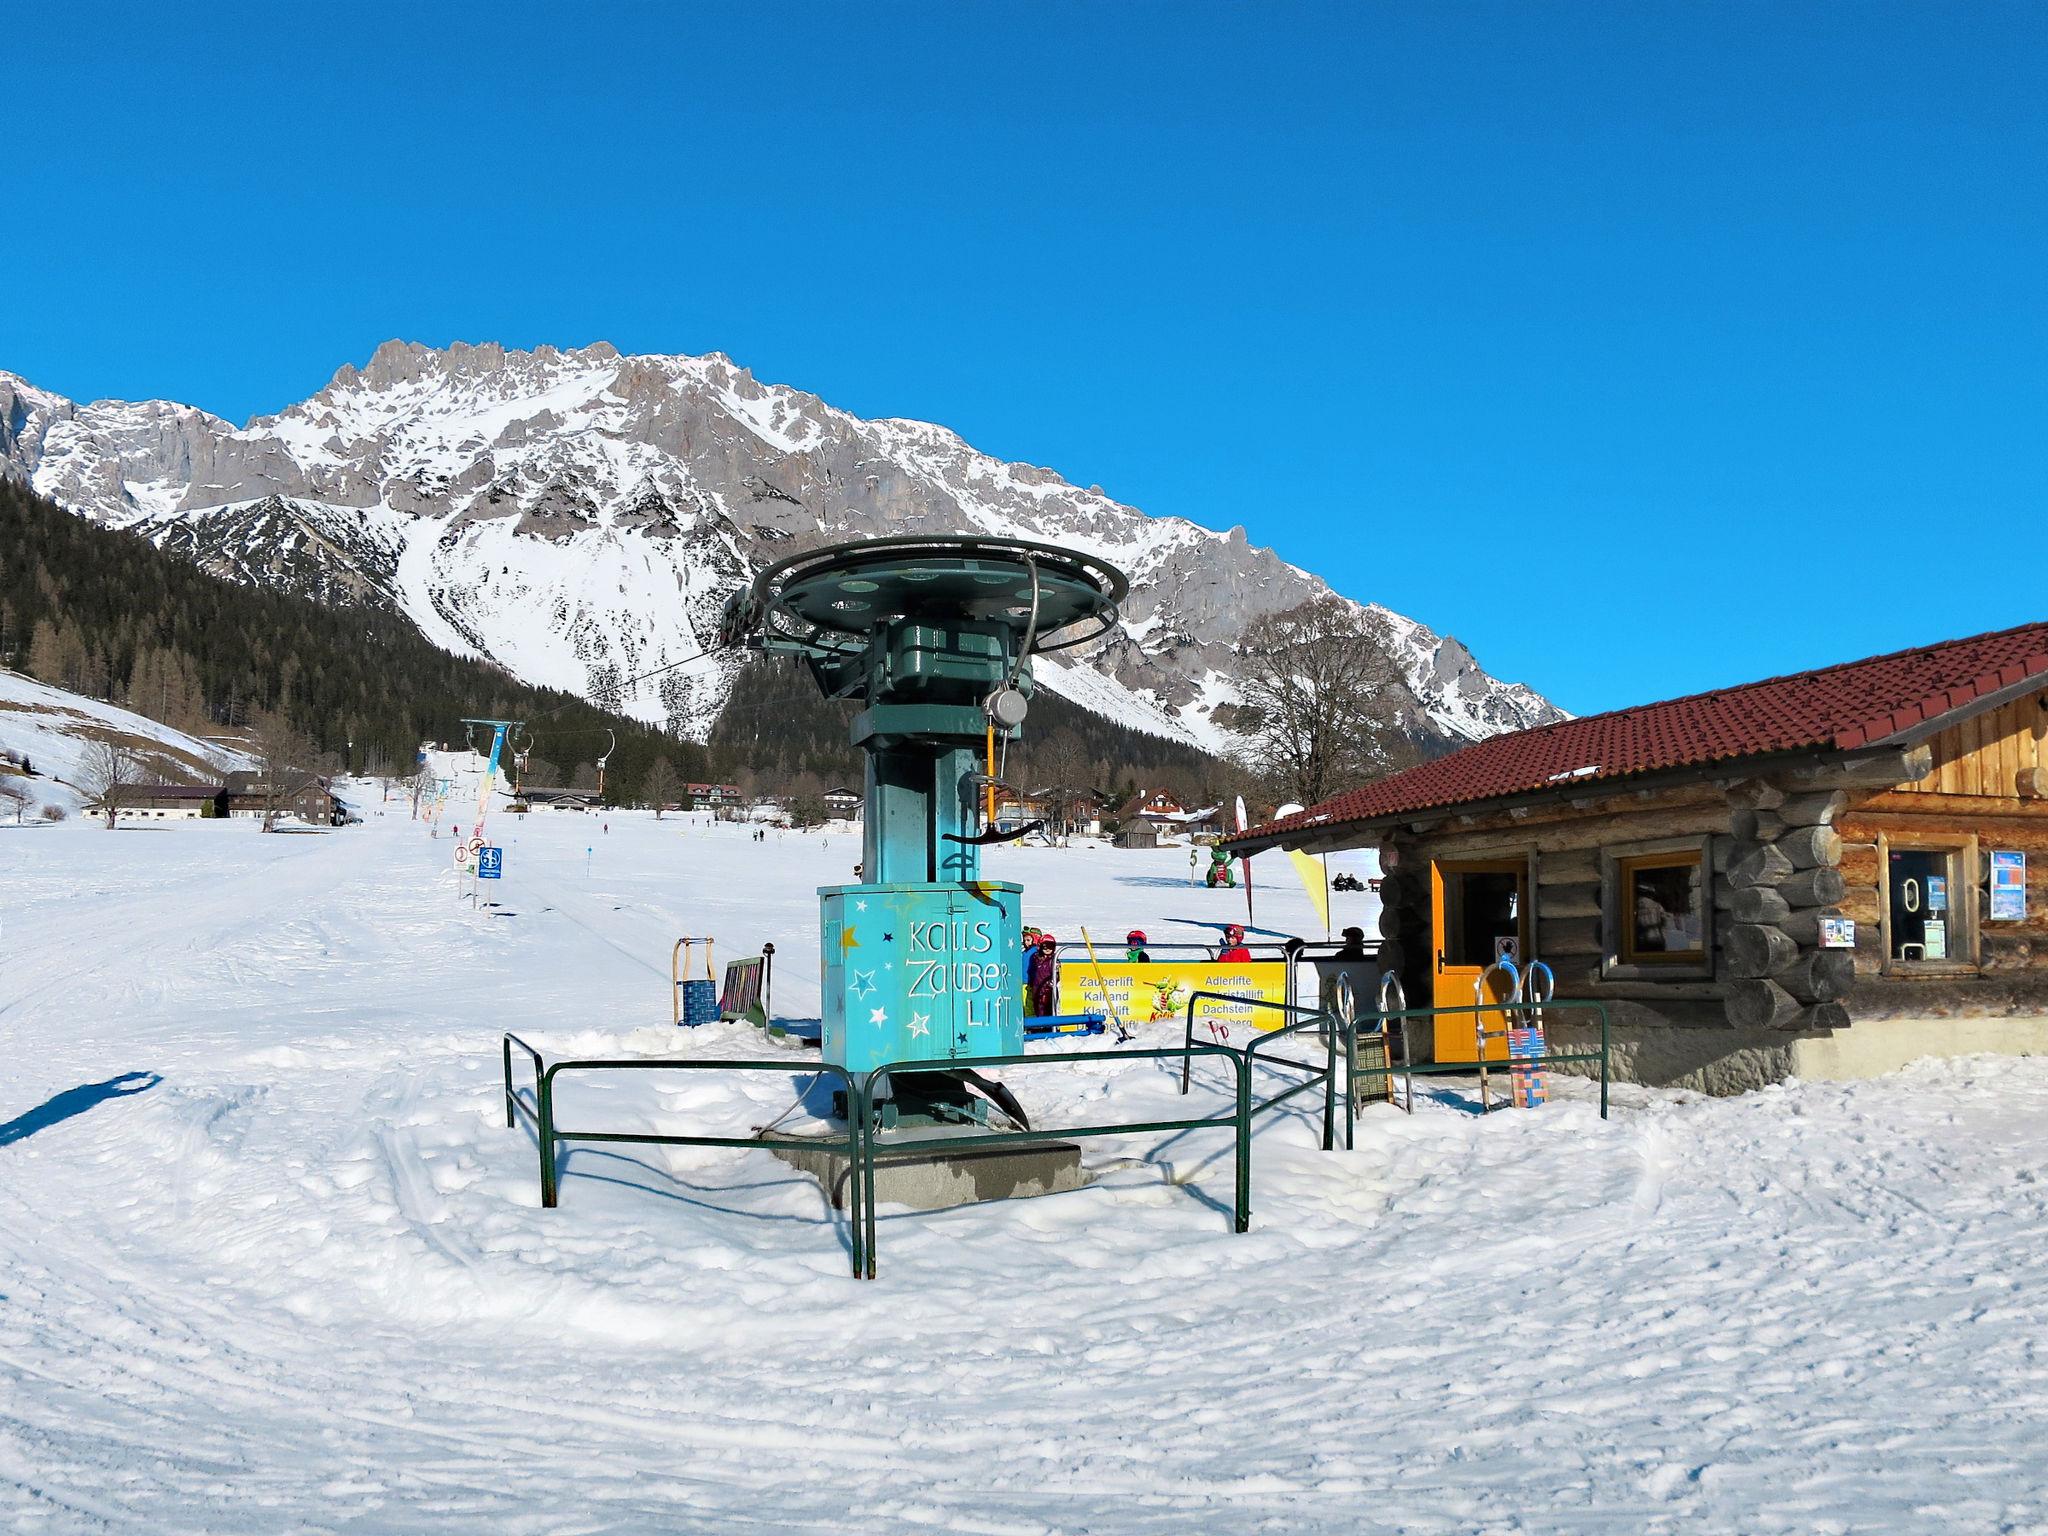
580, 516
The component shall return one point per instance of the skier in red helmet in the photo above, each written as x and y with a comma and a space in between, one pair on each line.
1134, 946
1233, 944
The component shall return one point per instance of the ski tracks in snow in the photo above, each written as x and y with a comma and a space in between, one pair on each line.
303, 1282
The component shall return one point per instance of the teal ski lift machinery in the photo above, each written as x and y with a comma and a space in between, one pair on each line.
933, 637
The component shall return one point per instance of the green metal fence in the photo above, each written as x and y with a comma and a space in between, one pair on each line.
863, 1144
1327, 1076
1411, 1069
862, 1110
550, 1135
1338, 1030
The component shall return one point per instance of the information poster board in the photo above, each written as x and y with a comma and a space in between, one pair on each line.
2008, 886
1158, 990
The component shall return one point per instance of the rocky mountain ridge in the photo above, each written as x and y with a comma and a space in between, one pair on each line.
578, 516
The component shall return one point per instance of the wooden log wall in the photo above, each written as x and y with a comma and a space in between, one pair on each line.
1985, 780
1787, 851
1774, 856
1781, 876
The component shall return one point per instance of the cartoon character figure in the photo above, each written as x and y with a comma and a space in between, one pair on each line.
1220, 870
1167, 1001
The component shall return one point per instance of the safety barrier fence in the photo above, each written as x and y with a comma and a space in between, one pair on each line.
1239, 1121
864, 1146
550, 1135
1338, 1030
1325, 1076
1410, 1069
861, 1143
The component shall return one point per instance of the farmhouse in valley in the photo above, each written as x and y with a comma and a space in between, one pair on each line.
169, 802
1821, 875
242, 794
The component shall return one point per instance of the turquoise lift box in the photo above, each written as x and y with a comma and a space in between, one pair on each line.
917, 971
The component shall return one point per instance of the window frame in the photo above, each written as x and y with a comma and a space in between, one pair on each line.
1965, 958
1619, 962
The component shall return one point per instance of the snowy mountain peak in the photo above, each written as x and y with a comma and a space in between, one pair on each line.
579, 515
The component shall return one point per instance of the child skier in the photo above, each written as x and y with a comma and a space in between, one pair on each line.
1042, 977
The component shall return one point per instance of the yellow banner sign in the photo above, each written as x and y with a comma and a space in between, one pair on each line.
1157, 991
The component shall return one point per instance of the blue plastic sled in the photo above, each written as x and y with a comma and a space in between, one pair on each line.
1046, 1025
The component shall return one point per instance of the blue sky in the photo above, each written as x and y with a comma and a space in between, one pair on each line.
1644, 348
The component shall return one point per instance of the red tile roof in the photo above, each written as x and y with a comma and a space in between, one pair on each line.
1836, 708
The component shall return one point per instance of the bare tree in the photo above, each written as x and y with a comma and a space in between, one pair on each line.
104, 775
661, 784
1061, 773
284, 759
1325, 702
10, 795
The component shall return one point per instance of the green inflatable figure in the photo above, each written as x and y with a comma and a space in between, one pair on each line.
1220, 870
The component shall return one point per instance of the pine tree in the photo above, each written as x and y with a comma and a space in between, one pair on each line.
45, 654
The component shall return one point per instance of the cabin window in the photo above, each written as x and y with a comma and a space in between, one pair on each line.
1921, 895
1662, 908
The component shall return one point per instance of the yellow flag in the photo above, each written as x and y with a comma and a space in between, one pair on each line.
1310, 868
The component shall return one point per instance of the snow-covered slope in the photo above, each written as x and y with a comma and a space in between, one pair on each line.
274, 1262
580, 516
53, 730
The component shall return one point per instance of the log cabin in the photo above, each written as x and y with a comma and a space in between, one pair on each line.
1824, 875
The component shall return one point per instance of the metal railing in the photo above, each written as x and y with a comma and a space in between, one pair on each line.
550, 1135
1410, 1069
1333, 1029
1386, 1023
862, 1110
863, 1145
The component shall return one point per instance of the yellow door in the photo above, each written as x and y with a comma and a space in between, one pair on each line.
1478, 909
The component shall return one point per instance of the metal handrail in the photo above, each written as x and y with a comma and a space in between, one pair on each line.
1311, 1018
549, 1134
1440, 1068
1326, 1075
1188, 1030
1281, 947
861, 1111
512, 1104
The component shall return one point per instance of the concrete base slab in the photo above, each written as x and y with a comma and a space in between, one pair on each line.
1872, 1047
930, 1178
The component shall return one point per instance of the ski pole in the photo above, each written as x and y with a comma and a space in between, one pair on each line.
1115, 1018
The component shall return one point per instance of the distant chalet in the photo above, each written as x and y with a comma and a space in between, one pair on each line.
1821, 875
241, 794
